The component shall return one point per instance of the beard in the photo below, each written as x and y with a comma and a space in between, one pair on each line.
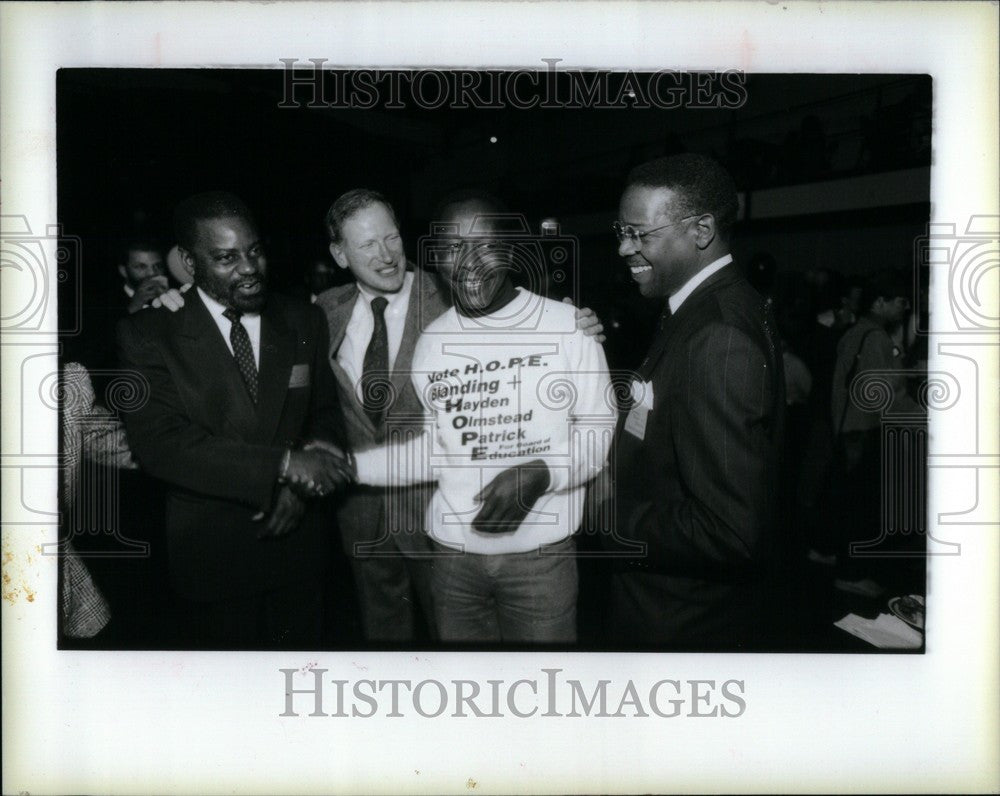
230, 294
252, 303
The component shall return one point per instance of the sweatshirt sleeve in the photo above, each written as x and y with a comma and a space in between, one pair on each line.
401, 464
592, 416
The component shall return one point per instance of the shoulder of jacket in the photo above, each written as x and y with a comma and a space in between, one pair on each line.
336, 295
153, 321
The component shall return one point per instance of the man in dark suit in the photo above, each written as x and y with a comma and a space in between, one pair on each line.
696, 462
237, 383
374, 324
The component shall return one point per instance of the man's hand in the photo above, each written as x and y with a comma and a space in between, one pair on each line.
509, 497
345, 463
172, 299
146, 292
316, 472
329, 447
588, 322
285, 515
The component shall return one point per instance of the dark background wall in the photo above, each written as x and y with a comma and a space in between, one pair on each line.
833, 169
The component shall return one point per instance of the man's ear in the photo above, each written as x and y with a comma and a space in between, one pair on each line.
186, 260
123, 272
705, 230
338, 254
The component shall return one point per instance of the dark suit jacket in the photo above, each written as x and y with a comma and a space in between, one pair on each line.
219, 454
700, 489
368, 515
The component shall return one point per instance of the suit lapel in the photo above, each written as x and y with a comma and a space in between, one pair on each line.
348, 388
214, 363
658, 345
421, 293
419, 312
339, 315
277, 355
688, 310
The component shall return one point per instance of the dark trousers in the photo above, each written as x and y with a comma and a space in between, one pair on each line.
394, 596
290, 617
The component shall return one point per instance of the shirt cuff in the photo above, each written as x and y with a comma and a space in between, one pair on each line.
371, 466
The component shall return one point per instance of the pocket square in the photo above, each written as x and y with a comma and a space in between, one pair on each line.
299, 377
642, 393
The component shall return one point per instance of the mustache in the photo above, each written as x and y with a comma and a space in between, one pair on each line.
250, 280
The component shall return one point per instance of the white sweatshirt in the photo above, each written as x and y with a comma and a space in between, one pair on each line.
500, 390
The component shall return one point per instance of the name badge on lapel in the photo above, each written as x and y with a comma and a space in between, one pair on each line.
299, 377
642, 405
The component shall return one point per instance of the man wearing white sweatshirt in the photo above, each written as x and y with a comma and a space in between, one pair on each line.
520, 418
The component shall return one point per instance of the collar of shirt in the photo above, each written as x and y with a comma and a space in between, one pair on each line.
129, 291
397, 300
358, 333
250, 321
689, 287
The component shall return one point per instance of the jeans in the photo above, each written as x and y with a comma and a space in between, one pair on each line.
513, 598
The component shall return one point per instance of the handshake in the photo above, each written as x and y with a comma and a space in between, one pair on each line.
318, 469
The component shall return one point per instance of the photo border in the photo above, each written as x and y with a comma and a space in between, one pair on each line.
210, 722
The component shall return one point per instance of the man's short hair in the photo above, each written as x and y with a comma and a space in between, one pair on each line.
137, 244
883, 284
205, 206
470, 195
702, 185
349, 203
505, 221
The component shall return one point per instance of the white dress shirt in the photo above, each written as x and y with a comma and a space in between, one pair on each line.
361, 325
250, 321
678, 298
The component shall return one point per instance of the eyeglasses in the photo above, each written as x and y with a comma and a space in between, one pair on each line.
629, 233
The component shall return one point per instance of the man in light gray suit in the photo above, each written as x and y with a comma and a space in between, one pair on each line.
374, 325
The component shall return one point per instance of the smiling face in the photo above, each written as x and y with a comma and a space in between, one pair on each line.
663, 260
141, 265
370, 246
228, 263
475, 267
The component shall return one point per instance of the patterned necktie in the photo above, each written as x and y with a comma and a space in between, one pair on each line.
375, 370
667, 312
243, 352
